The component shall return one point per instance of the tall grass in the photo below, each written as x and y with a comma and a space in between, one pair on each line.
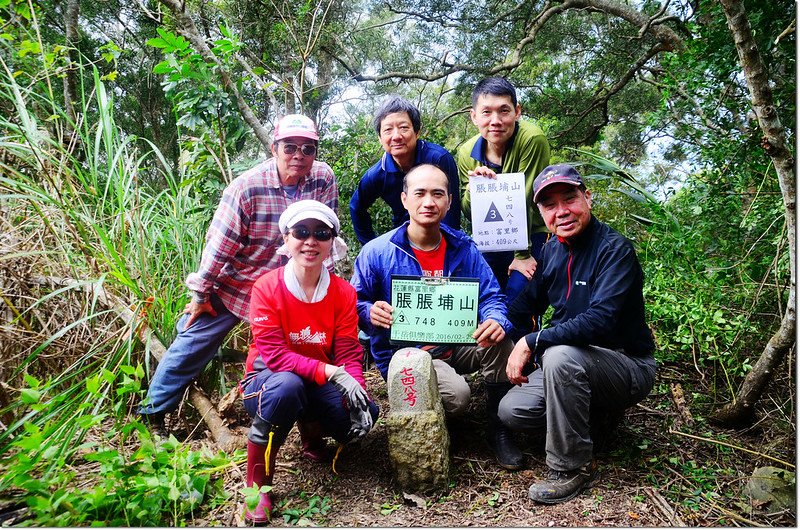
80, 211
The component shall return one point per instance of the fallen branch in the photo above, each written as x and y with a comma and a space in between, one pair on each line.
663, 506
739, 448
679, 399
733, 515
225, 439
648, 410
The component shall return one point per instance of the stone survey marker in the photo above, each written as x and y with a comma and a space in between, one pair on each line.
419, 445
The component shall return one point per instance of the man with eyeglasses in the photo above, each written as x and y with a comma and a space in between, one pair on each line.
241, 245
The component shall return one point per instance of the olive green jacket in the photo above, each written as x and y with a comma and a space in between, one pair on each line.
529, 153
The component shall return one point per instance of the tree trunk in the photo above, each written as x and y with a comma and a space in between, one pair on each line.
188, 29
72, 39
741, 410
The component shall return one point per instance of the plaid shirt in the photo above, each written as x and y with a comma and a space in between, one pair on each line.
243, 238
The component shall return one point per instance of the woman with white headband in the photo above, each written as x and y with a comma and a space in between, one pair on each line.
305, 361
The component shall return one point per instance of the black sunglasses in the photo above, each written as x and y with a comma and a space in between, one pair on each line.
306, 149
302, 233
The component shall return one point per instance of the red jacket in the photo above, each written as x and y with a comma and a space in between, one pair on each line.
301, 337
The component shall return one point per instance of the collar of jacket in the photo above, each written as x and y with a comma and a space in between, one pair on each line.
479, 149
390, 166
455, 241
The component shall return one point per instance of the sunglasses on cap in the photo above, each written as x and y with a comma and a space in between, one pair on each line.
302, 233
306, 149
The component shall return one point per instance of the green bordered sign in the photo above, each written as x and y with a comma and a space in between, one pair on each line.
434, 310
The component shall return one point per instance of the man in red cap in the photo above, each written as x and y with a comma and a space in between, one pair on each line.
595, 359
241, 245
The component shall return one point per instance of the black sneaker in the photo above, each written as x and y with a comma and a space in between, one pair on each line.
508, 455
560, 486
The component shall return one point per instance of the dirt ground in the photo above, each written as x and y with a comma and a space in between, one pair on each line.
655, 472
631, 488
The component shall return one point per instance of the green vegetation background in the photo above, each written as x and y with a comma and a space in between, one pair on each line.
105, 203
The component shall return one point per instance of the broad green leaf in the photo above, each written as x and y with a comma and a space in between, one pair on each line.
30, 396
93, 384
164, 67
27, 46
31, 381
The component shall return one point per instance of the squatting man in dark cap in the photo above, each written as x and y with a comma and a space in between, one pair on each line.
595, 359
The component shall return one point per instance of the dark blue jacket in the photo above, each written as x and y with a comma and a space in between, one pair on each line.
594, 284
385, 180
391, 254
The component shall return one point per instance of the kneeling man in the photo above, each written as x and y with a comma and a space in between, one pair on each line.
423, 246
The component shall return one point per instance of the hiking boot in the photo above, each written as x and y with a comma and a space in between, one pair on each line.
498, 436
260, 468
155, 424
508, 455
560, 486
314, 446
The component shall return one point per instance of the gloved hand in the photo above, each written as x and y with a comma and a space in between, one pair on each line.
360, 423
355, 395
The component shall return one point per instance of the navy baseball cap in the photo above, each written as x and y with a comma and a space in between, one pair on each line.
554, 174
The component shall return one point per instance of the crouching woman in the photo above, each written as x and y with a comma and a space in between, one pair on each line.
304, 364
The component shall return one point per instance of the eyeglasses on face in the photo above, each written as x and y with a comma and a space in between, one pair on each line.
306, 149
302, 233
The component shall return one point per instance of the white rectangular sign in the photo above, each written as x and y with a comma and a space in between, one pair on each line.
499, 216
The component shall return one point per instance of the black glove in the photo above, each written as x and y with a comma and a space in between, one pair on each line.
360, 419
360, 423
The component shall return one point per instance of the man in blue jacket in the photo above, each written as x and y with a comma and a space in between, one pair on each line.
423, 246
596, 357
397, 122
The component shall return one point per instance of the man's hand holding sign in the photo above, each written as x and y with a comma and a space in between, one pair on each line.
488, 333
380, 314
